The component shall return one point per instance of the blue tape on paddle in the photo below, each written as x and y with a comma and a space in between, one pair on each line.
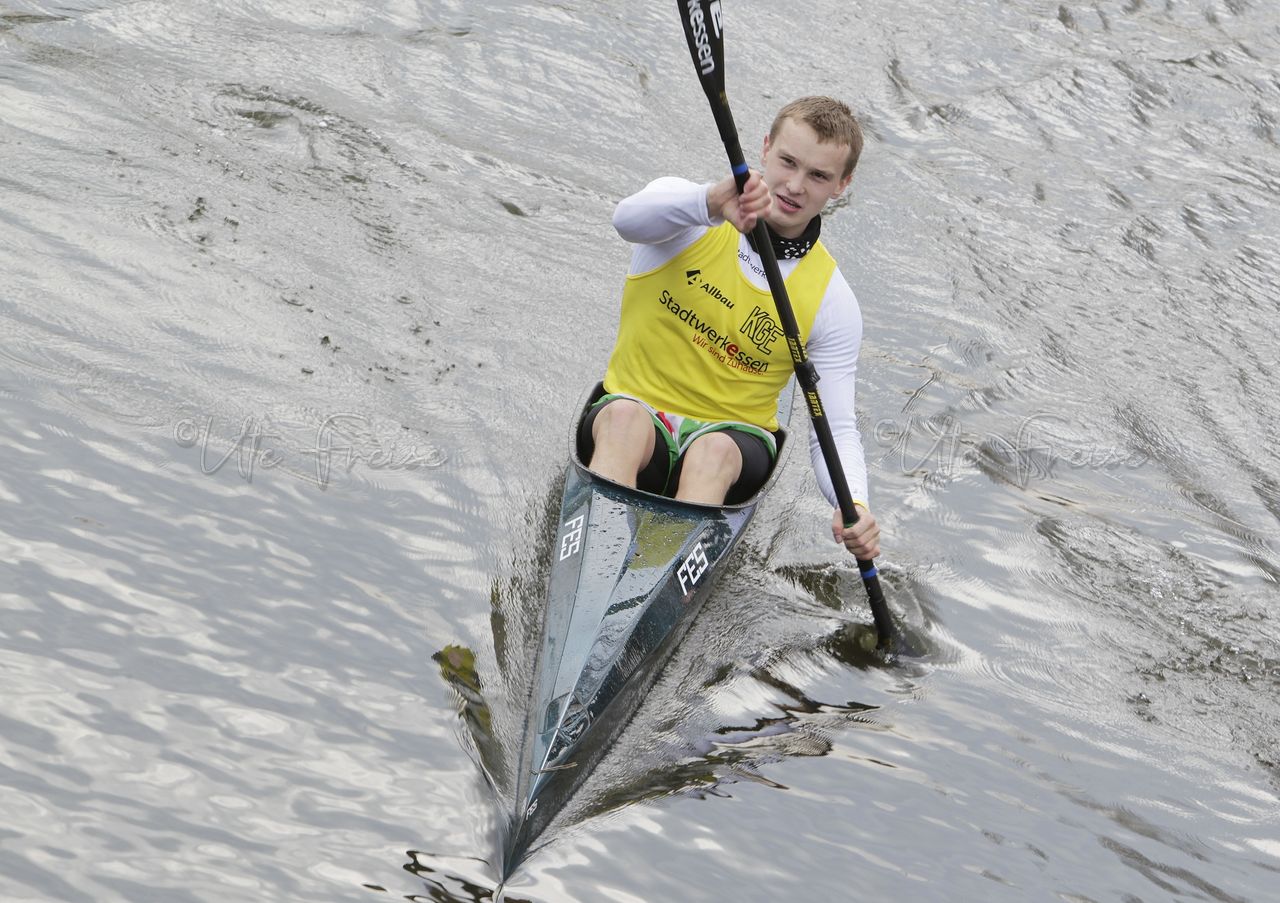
869, 573
740, 169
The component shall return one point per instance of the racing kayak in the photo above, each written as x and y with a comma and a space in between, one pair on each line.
629, 572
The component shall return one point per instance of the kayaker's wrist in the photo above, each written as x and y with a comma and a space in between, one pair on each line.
718, 195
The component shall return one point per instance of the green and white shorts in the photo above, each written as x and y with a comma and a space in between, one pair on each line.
674, 434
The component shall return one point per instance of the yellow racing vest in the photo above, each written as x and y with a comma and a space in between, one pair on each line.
697, 338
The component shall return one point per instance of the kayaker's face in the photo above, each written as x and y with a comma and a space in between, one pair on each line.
804, 174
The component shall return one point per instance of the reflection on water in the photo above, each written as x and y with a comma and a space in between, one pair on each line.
295, 301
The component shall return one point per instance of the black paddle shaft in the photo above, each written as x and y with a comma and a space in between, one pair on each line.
703, 29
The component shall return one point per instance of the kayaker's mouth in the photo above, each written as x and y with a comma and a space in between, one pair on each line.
787, 205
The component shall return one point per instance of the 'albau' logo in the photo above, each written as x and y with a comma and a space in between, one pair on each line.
695, 277
761, 329
717, 294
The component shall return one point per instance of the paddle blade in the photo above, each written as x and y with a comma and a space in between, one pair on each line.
704, 31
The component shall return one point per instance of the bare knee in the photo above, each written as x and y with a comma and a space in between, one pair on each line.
621, 419
623, 440
711, 465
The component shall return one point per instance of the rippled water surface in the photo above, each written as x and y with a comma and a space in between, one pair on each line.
297, 300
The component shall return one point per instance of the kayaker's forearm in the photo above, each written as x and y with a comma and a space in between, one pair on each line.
662, 211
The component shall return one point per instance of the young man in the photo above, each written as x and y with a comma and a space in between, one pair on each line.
694, 378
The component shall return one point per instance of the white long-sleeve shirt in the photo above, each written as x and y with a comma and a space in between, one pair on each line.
670, 214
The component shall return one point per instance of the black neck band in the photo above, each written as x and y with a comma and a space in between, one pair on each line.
791, 248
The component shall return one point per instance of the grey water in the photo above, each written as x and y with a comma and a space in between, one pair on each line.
296, 300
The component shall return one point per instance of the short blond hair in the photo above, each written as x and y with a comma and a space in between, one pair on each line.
831, 119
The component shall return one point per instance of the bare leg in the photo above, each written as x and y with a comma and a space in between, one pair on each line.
712, 464
623, 436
